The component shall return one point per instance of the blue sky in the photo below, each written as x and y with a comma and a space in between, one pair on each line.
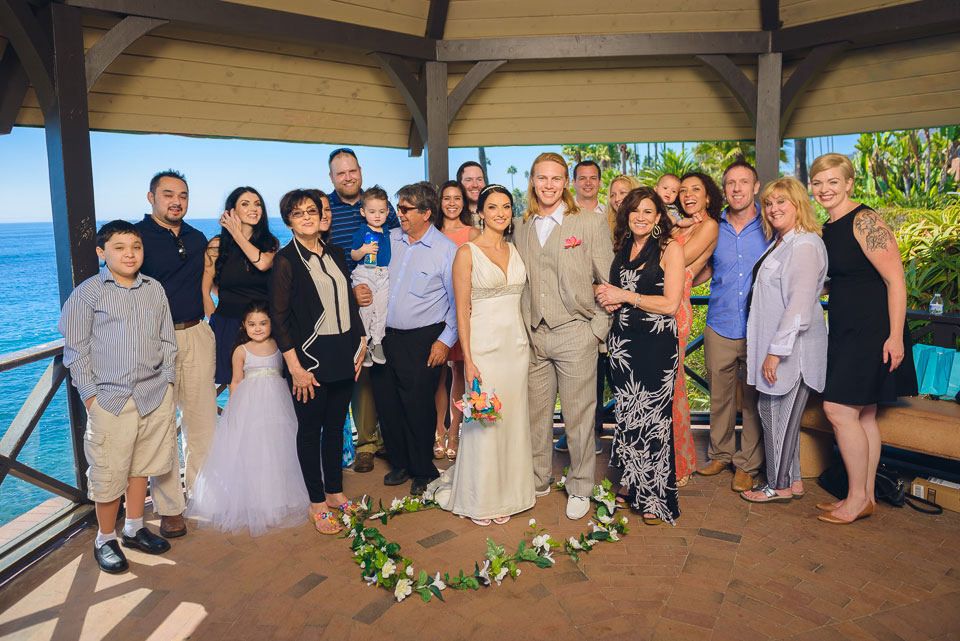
124, 163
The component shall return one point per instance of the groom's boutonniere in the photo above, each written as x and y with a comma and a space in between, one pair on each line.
572, 242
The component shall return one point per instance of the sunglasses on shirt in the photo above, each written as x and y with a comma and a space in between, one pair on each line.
181, 250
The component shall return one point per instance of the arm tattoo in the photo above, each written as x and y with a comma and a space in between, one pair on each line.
875, 233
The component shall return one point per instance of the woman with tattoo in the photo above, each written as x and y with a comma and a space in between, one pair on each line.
868, 334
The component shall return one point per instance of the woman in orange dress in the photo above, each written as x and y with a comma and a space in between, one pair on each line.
697, 234
455, 223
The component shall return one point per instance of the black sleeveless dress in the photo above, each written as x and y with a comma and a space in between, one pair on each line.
238, 286
644, 358
859, 324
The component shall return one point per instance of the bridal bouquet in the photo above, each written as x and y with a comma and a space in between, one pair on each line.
483, 407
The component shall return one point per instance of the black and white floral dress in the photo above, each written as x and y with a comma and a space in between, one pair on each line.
643, 351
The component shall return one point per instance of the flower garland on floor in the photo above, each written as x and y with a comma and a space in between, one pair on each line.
382, 564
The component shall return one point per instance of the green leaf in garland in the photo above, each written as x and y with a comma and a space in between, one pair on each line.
423, 578
436, 592
599, 535
393, 548
542, 562
424, 594
472, 583
606, 484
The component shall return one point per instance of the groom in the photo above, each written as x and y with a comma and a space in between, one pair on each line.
566, 251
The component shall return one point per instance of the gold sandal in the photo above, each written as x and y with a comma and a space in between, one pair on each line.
439, 449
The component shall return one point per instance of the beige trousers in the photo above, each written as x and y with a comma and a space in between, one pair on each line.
195, 395
564, 359
369, 439
726, 367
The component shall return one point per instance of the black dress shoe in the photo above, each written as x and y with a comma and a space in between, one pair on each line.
110, 557
364, 462
396, 477
381, 454
418, 487
146, 541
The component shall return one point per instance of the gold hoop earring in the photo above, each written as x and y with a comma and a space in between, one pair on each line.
656, 232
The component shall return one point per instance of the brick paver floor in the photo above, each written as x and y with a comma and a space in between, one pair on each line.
728, 570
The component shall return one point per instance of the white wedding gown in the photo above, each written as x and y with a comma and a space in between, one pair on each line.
493, 475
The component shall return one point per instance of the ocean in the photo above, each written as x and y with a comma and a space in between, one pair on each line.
29, 310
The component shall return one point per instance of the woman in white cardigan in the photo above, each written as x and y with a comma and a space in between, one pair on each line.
786, 333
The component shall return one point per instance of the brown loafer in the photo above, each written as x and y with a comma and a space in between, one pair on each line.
741, 482
713, 469
172, 527
364, 462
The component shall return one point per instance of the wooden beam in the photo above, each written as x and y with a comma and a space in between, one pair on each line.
409, 87
770, 15
114, 42
769, 74
438, 133
32, 46
414, 139
30, 412
603, 46
803, 75
13, 87
437, 19
268, 23
736, 81
468, 84
45, 482
926, 17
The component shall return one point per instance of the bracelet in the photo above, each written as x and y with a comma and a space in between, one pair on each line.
259, 256
637, 303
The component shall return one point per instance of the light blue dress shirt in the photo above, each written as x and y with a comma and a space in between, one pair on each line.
421, 283
733, 261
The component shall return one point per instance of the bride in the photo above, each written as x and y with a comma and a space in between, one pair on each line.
493, 475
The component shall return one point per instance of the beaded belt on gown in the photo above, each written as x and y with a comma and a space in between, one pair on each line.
263, 372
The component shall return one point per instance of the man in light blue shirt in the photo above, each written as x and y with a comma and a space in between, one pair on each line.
740, 244
421, 329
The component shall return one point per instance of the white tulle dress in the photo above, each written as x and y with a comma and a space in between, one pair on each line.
251, 477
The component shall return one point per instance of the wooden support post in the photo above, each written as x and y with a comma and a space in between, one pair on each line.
437, 165
67, 129
768, 116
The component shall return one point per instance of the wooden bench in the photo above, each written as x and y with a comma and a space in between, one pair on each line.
915, 424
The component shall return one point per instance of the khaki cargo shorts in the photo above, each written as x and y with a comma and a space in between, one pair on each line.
127, 445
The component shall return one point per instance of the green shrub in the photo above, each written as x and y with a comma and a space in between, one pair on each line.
930, 250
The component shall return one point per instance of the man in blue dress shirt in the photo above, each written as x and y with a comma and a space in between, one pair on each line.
421, 329
740, 244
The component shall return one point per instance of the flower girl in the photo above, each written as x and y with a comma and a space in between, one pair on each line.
251, 477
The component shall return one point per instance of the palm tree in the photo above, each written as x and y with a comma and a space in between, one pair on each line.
511, 170
668, 162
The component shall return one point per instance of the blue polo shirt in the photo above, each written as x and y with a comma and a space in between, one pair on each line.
181, 277
733, 261
383, 243
347, 220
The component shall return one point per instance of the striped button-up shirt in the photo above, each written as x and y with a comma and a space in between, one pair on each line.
119, 342
347, 220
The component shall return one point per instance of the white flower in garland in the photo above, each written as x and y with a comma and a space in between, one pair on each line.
532, 522
438, 583
485, 572
370, 580
388, 568
346, 519
410, 570
547, 555
396, 505
606, 520
542, 541
575, 544
502, 573
403, 590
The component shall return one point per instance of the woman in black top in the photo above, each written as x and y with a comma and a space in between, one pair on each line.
868, 345
316, 323
236, 269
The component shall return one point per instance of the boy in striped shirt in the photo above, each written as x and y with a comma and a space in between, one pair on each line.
120, 348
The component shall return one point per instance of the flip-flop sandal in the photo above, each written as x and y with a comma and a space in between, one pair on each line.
481, 522
329, 518
500, 520
770, 495
651, 520
349, 507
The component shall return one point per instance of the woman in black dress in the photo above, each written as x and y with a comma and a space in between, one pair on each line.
868, 335
316, 323
645, 288
237, 269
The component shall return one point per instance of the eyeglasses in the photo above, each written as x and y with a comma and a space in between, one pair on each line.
406, 209
341, 150
301, 214
181, 250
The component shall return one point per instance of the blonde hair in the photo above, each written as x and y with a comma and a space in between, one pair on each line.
533, 205
830, 161
633, 183
794, 191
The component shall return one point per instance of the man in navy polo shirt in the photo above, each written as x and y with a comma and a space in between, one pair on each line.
740, 244
173, 254
347, 179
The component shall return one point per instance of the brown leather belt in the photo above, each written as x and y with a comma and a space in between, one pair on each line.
186, 325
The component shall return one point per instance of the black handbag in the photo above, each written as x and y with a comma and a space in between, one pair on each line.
890, 487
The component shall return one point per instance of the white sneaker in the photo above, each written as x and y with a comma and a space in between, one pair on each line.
577, 507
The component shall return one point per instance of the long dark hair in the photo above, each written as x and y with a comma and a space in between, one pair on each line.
465, 217
488, 191
261, 238
714, 195
621, 232
252, 308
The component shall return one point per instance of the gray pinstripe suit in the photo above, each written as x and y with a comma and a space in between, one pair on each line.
565, 323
